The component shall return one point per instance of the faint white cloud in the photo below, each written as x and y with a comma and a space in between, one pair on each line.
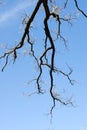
84, 128
12, 12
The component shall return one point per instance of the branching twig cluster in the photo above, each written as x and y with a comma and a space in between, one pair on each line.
48, 38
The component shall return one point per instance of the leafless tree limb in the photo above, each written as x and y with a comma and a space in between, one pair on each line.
48, 38
80, 10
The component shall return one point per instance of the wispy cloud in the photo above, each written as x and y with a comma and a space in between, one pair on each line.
84, 128
12, 12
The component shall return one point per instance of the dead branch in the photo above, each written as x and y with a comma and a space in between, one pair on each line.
48, 38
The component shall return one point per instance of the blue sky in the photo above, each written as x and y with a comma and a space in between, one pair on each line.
18, 111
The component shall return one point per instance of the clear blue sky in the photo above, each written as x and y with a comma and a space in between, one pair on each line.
18, 111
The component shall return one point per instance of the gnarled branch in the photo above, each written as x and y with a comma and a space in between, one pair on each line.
47, 48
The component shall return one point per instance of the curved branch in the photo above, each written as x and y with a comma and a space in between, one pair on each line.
80, 10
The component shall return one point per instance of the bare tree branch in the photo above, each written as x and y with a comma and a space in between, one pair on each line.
77, 6
43, 60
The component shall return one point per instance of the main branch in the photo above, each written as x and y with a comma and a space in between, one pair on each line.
49, 46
